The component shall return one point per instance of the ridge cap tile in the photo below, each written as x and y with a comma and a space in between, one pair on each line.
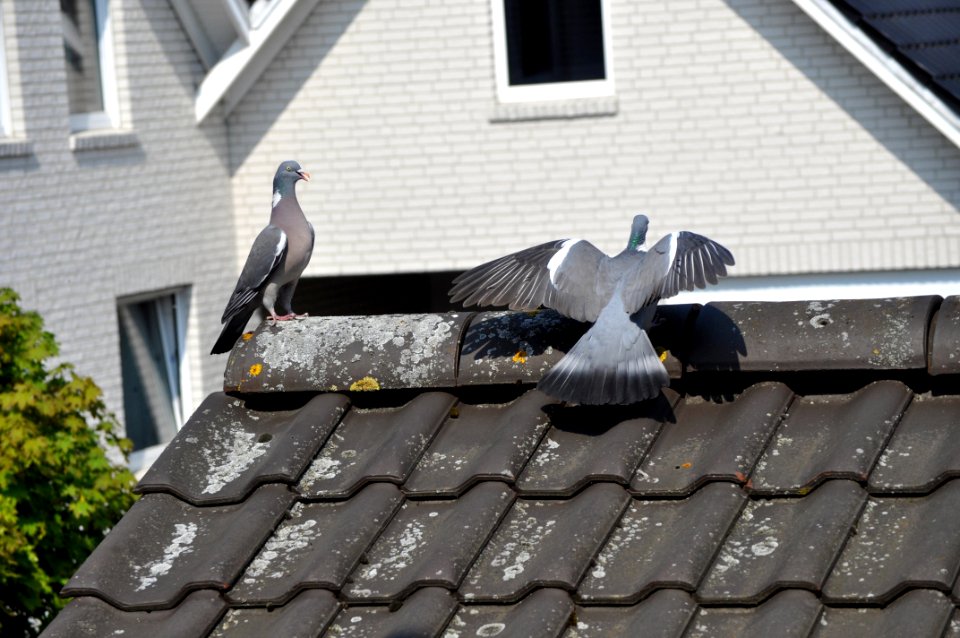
945, 342
382, 444
530, 547
341, 352
429, 543
830, 436
790, 613
163, 547
661, 543
544, 613
780, 543
592, 443
901, 542
305, 616
226, 449
846, 334
924, 450
91, 617
921, 612
663, 614
711, 441
317, 545
481, 442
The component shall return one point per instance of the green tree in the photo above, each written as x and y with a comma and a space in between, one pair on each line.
59, 492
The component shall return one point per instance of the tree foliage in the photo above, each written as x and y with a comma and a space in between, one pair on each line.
59, 492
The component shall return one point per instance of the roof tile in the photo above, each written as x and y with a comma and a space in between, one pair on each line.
668, 543
545, 613
784, 543
317, 546
532, 545
481, 442
663, 614
514, 347
163, 547
303, 617
925, 448
430, 543
90, 617
791, 613
945, 344
381, 444
348, 353
712, 441
589, 443
865, 334
423, 615
227, 448
900, 542
830, 436
922, 612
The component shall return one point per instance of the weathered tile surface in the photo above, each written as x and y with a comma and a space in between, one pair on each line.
317, 546
711, 441
226, 448
164, 547
481, 442
789, 614
667, 543
833, 436
783, 543
430, 543
545, 613
588, 443
900, 542
925, 448
303, 617
921, 612
532, 545
945, 343
423, 614
381, 444
663, 614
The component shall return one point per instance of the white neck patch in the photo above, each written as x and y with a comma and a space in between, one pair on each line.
276, 198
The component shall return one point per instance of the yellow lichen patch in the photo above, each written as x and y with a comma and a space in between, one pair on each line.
520, 357
533, 313
256, 369
247, 336
365, 384
686, 465
663, 355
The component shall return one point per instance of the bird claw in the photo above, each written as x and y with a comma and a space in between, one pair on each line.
283, 317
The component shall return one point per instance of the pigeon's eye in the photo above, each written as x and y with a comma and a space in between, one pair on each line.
289, 168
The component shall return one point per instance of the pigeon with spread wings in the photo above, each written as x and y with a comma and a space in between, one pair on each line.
614, 362
279, 254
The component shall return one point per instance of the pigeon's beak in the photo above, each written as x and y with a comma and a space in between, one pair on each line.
304, 175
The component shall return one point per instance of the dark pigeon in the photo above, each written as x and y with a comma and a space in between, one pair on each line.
614, 362
279, 254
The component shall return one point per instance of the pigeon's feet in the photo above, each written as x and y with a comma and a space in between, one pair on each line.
282, 317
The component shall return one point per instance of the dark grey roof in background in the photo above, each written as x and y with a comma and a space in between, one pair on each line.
923, 35
798, 479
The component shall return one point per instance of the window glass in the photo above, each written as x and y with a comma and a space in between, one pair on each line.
81, 50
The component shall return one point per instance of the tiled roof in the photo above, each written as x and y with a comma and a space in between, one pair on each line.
799, 478
923, 35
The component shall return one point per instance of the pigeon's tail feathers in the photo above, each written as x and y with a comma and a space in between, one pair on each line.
614, 362
246, 320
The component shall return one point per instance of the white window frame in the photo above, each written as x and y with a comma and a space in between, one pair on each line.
6, 119
554, 90
109, 117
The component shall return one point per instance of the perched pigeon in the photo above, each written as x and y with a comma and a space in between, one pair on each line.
614, 362
279, 254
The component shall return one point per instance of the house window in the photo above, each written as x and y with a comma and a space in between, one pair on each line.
6, 126
551, 49
152, 336
88, 54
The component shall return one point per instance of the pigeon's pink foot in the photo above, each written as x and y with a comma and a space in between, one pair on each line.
282, 317
301, 316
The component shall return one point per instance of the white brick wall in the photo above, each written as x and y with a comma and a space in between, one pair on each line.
79, 229
740, 119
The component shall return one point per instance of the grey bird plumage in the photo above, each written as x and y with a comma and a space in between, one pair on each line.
279, 255
614, 362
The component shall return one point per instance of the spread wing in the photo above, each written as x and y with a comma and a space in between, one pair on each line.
559, 274
679, 261
266, 255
